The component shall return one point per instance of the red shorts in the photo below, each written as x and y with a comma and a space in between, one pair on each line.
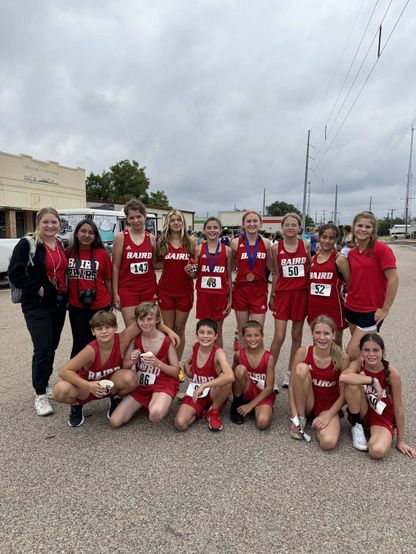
291, 305
129, 298
182, 303
250, 297
373, 418
253, 391
211, 306
143, 395
200, 406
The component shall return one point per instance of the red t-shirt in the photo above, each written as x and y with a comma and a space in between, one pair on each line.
82, 278
368, 283
56, 264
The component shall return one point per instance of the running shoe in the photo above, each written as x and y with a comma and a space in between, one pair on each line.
114, 402
42, 405
49, 392
358, 437
214, 419
76, 415
286, 379
294, 432
235, 416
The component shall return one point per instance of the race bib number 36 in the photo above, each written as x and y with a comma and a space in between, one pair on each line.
293, 271
318, 289
145, 378
210, 282
138, 268
192, 386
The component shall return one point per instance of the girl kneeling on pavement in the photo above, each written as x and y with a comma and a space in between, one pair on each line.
254, 379
211, 377
314, 389
154, 358
373, 391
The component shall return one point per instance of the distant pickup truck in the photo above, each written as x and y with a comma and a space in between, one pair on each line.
399, 231
6, 249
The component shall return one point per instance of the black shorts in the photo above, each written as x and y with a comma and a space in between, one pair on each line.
364, 320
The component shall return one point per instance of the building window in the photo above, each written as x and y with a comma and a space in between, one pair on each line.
20, 224
2, 224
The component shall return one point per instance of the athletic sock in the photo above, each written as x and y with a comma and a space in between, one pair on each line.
354, 417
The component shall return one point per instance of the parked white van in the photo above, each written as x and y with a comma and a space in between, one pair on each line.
399, 231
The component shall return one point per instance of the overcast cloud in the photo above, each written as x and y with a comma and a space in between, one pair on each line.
214, 97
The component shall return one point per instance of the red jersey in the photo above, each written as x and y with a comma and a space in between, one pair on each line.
98, 370
325, 291
217, 280
368, 284
207, 372
56, 265
149, 375
325, 383
136, 268
83, 277
388, 411
256, 374
293, 267
174, 280
260, 264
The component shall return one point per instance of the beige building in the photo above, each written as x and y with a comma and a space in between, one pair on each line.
26, 185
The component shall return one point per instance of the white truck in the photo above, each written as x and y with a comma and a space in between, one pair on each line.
399, 231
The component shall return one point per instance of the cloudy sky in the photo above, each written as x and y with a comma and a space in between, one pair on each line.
215, 97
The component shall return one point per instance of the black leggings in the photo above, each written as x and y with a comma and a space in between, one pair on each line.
80, 326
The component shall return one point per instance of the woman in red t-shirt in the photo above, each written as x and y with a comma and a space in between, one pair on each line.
134, 277
373, 283
89, 281
176, 251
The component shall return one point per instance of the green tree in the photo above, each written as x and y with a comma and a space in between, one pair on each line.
128, 180
98, 186
387, 223
159, 199
282, 208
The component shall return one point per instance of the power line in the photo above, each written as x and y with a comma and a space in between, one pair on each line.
366, 80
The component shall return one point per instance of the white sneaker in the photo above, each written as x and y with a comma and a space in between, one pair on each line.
49, 392
358, 438
42, 405
286, 379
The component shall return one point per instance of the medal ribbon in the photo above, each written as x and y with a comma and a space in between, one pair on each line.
251, 257
210, 256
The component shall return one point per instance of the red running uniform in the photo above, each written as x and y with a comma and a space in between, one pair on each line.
257, 379
325, 291
152, 379
212, 287
293, 267
250, 296
176, 288
137, 277
325, 383
82, 277
201, 375
99, 370
368, 283
386, 419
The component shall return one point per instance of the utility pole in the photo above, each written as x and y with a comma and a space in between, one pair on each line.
371, 201
264, 202
305, 185
336, 205
309, 199
409, 184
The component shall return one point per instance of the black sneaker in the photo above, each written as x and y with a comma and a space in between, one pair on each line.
114, 402
76, 416
235, 416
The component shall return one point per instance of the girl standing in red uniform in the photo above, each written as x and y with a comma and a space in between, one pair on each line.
134, 277
213, 284
89, 282
314, 385
373, 391
373, 283
157, 369
289, 297
251, 256
176, 250
328, 273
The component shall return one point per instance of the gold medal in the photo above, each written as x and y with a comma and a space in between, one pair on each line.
250, 277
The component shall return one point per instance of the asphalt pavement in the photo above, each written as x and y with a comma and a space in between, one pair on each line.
147, 488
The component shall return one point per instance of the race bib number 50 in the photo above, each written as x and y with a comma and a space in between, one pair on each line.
293, 271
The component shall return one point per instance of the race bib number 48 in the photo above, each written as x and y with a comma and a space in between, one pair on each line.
210, 282
293, 271
138, 268
318, 289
